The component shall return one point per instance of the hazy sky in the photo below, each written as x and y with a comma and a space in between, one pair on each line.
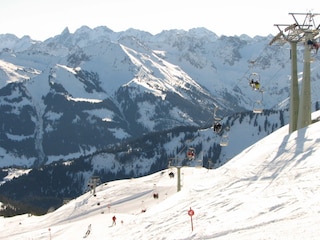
41, 19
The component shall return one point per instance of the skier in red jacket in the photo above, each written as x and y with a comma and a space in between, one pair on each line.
114, 220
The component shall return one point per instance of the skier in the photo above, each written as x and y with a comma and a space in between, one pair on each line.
114, 220
88, 231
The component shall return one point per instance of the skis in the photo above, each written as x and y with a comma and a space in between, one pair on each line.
88, 231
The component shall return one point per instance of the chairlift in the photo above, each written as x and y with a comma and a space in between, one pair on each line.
215, 114
258, 107
217, 127
313, 45
191, 154
224, 140
129, 149
254, 81
199, 163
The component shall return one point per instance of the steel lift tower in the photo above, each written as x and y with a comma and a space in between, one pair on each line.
306, 31
293, 37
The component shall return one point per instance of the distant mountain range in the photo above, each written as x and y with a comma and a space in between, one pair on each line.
125, 104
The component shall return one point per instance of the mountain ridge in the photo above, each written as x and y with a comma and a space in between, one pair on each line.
126, 103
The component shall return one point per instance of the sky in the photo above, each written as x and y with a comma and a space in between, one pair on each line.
42, 19
262, 193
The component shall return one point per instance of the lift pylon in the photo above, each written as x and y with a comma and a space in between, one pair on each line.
305, 31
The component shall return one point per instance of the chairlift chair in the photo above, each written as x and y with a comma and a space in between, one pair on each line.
254, 81
217, 127
258, 107
191, 154
224, 140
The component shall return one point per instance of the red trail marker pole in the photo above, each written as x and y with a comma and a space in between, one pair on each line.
191, 213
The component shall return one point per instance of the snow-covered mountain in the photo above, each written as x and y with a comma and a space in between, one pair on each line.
124, 104
104, 86
268, 191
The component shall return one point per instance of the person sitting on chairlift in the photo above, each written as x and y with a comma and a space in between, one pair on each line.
217, 127
313, 45
191, 154
255, 84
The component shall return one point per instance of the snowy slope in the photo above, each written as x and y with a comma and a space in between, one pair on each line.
268, 191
